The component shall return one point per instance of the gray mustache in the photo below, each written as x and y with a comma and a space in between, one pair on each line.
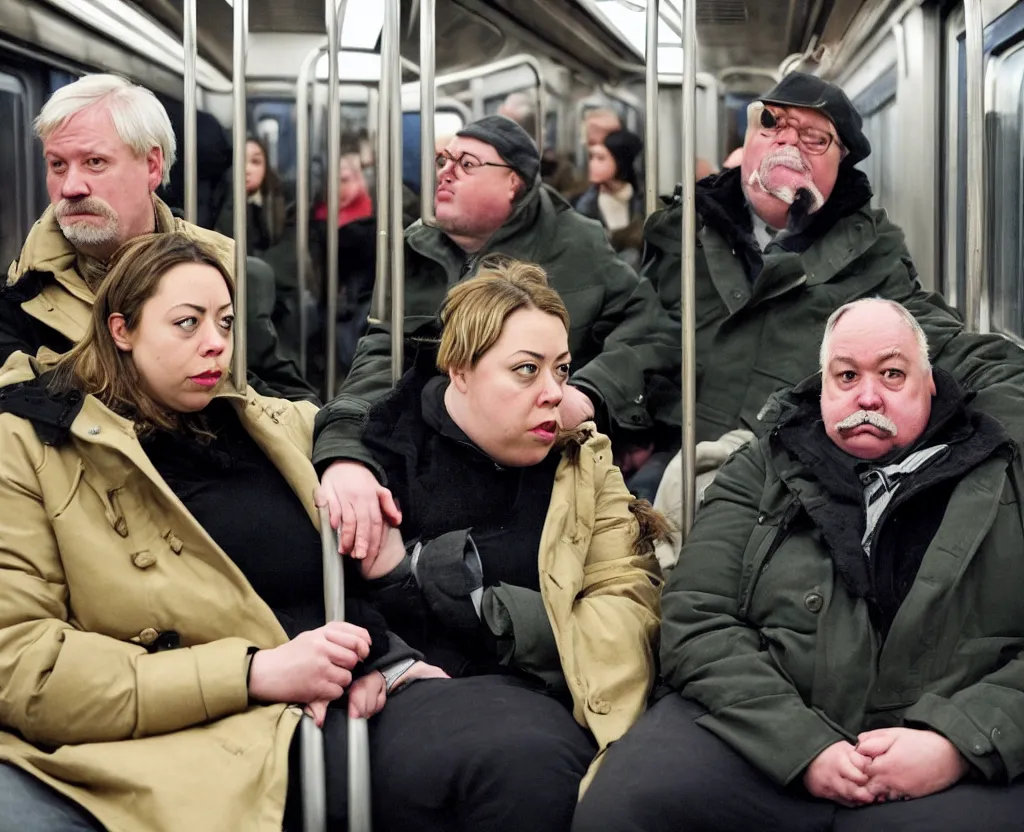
867, 417
85, 205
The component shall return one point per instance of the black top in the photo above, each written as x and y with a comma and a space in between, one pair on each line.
246, 505
461, 487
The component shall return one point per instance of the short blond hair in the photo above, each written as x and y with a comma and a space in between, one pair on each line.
474, 311
139, 118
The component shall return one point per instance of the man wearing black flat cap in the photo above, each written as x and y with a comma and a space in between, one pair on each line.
490, 201
782, 242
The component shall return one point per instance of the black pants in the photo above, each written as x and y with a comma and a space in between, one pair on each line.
669, 774
475, 754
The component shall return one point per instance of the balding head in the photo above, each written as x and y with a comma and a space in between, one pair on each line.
876, 381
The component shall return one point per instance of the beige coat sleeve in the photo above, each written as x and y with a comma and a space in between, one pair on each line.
616, 615
62, 685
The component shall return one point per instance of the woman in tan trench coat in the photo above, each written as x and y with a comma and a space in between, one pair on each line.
160, 590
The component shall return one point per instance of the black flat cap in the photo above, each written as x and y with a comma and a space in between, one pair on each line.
798, 89
512, 142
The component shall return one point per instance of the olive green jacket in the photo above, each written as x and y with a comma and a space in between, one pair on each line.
759, 629
758, 336
620, 336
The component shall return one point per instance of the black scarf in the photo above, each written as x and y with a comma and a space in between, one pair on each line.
899, 548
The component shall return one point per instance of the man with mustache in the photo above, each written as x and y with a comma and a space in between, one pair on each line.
490, 201
783, 240
108, 146
843, 635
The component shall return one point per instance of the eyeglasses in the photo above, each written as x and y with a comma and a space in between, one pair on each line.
812, 139
465, 162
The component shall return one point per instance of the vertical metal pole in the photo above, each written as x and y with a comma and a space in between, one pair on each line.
382, 170
427, 167
689, 262
239, 49
975, 43
542, 103
191, 106
335, 15
392, 36
302, 193
651, 114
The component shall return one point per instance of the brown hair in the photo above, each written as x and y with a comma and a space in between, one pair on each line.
475, 311
96, 366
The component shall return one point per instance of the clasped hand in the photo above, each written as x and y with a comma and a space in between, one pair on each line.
886, 764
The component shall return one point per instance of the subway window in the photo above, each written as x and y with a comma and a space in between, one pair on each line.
877, 106
15, 144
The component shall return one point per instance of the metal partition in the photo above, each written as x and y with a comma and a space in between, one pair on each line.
975, 254
335, 20
191, 159
651, 112
428, 171
391, 111
688, 143
302, 197
239, 48
511, 62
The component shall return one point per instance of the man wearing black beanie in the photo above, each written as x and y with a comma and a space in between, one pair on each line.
489, 201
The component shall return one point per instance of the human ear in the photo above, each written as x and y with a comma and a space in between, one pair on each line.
459, 380
118, 327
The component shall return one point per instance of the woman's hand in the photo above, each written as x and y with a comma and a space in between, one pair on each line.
367, 695
315, 666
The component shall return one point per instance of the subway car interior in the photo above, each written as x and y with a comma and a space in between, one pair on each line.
904, 64
939, 85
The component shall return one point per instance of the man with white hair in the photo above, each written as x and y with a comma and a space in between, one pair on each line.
843, 635
784, 240
108, 146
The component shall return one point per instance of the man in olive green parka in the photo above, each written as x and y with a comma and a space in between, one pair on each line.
844, 628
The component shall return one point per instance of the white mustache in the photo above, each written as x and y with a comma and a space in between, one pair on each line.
786, 157
867, 417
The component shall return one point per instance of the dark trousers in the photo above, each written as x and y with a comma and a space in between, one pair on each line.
669, 774
474, 754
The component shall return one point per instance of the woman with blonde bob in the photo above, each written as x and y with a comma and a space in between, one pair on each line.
526, 575
161, 598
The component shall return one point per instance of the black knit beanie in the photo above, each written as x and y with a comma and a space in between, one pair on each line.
512, 142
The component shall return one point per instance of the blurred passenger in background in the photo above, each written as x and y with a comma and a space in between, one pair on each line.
614, 197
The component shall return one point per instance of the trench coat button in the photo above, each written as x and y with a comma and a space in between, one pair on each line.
599, 706
148, 636
121, 527
761, 518
978, 748
814, 602
738, 294
636, 418
996, 735
173, 541
639, 399
94, 430
143, 560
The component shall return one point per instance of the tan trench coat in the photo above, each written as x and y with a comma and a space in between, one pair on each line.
98, 557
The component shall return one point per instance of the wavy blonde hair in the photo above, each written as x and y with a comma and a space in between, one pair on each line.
475, 311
